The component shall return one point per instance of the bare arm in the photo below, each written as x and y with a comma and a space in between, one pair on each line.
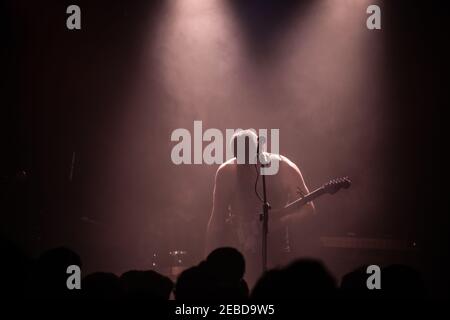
296, 189
215, 233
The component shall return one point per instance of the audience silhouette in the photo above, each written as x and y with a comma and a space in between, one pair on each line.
49, 274
219, 278
400, 281
354, 286
304, 278
101, 285
146, 285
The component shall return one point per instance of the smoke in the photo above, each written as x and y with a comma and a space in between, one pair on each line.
317, 81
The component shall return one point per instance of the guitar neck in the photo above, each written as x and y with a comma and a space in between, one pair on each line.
295, 205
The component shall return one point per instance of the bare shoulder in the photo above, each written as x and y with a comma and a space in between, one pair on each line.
293, 175
288, 166
226, 168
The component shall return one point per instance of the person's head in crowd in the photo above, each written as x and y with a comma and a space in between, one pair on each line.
50, 273
219, 278
303, 278
227, 263
146, 285
354, 285
101, 285
400, 281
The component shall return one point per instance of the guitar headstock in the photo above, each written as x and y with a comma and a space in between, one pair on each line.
335, 185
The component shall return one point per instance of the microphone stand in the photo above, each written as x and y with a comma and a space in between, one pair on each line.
264, 217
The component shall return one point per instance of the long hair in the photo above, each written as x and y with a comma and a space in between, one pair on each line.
244, 144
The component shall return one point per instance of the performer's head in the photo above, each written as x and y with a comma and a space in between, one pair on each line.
244, 144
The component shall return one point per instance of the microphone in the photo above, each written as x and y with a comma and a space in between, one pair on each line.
262, 158
257, 148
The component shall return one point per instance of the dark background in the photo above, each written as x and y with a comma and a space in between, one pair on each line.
348, 101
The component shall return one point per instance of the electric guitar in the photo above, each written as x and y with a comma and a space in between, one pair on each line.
330, 187
247, 233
